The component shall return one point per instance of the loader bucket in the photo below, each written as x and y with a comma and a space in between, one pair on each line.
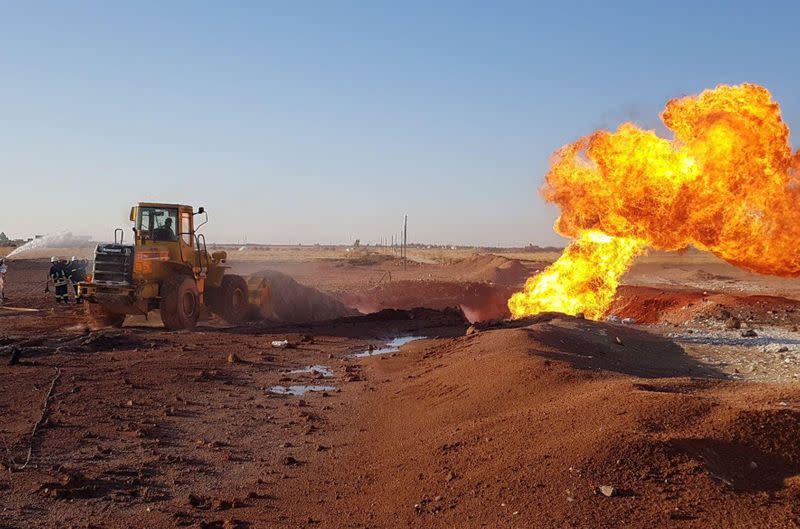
258, 296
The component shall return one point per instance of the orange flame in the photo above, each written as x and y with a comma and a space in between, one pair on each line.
726, 183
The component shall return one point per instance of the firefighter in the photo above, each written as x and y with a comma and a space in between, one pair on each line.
58, 275
76, 271
3, 270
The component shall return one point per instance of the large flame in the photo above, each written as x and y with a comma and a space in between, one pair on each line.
726, 183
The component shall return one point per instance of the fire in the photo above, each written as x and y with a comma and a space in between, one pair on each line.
727, 182
583, 279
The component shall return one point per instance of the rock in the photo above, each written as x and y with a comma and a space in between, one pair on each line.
289, 461
233, 358
286, 445
471, 330
221, 505
628, 321
619, 340
733, 323
197, 501
15, 354
607, 490
749, 333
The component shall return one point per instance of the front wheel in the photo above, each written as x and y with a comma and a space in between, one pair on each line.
230, 299
180, 303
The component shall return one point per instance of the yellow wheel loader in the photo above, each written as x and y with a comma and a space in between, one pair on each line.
167, 268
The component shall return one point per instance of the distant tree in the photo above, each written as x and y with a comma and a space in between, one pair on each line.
3, 238
357, 243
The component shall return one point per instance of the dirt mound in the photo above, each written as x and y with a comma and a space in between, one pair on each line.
478, 301
367, 258
490, 269
292, 302
654, 305
444, 317
519, 428
604, 346
709, 276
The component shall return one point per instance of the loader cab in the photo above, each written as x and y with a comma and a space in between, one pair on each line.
165, 231
157, 224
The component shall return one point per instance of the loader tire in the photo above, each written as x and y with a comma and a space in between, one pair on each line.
98, 316
180, 303
231, 299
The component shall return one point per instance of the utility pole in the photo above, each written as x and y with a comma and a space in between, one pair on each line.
405, 242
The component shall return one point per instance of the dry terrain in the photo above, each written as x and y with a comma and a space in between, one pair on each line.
681, 409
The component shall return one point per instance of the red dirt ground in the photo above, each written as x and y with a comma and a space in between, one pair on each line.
509, 427
657, 305
519, 428
478, 301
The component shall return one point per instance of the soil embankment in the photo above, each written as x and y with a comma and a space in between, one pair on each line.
679, 306
529, 427
478, 301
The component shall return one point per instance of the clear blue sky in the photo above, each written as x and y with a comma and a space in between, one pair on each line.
325, 121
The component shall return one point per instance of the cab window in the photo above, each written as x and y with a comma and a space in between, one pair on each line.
186, 227
157, 224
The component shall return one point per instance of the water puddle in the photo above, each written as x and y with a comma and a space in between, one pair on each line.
391, 346
298, 391
325, 371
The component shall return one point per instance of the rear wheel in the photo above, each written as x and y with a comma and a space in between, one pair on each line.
229, 300
180, 303
100, 317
